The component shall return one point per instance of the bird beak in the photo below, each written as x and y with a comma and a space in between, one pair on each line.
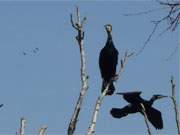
119, 93
161, 96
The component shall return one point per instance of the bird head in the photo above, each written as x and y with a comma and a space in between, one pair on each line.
108, 28
157, 96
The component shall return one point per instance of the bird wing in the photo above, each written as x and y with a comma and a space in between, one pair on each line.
121, 112
131, 97
154, 116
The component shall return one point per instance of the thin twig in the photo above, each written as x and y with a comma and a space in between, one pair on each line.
173, 97
144, 12
72, 22
175, 3
173, 18
91, 129
148, 40
173, 15
175, 50
42, 130
84, 77
146, 119
22, 126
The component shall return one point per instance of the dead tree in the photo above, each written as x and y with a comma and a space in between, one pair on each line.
173, 97
78, 26
42, 130
22, 126
91, 129
21, 130
146, 119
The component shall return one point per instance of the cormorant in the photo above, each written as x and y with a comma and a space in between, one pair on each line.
108, 60
153, 115
24, 53
35, 50
1, 105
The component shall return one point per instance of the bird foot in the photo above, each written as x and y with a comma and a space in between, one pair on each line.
109, 92
116, 77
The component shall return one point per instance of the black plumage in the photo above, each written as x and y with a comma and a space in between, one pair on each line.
108, 60
153, 115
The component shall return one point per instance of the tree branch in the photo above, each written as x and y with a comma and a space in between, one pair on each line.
91, 129
72, 22
173, 97
173, 15
173, 52
22, 126
144, 12
173, 19
147, 40
84, 77
42, 130
146, 119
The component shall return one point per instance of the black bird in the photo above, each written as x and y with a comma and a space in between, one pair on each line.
1, 105
35, 50
108, 60
153, 115
24, 53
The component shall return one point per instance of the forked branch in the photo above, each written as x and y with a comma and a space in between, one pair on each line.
172, 17
91, 129
78, 26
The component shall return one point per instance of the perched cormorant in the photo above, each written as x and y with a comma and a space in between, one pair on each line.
153, 115
108, 60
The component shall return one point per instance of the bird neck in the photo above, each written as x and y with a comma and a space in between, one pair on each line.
109, 38
151, 101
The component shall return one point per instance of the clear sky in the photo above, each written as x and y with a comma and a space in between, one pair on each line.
43, 87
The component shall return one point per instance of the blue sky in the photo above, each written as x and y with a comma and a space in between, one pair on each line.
43, 87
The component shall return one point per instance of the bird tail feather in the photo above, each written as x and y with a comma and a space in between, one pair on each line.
117, 113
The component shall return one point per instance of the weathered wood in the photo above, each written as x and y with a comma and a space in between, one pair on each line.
84, 77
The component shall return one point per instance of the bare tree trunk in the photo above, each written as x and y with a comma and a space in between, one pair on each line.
22, 126
84, 77
42, 130
91, 129
146, 119
173, 97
